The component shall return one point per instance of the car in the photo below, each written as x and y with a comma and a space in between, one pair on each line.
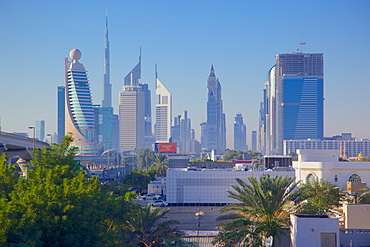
151, 197
158, 203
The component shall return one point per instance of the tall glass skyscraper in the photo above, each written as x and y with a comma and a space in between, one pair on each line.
61, 113
104, 115
163, 110
79, 108
240, 133
300, 97
107, 86
215, 128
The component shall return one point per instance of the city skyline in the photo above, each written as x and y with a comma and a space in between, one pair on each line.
184, 40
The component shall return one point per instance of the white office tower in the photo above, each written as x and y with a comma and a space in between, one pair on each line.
163, 110
132, 112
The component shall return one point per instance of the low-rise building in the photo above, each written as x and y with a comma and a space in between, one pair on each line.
197, 186
325, 164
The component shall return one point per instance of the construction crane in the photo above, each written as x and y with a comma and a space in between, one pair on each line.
301, 42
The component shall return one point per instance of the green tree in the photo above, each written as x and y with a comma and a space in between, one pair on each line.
145, 229
239, 155
58, 205
139, 178
322, 196
364, 196
160, 165
8, 177
264, 207
146, 158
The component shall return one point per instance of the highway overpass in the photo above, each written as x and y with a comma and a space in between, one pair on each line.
15, 145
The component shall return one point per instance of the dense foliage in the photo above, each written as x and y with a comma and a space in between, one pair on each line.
322, 197
240, 155
59, 205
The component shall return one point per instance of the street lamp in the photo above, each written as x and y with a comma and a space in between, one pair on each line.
33, 141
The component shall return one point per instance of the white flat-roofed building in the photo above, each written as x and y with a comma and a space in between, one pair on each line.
325, 164
348, 148
208, 186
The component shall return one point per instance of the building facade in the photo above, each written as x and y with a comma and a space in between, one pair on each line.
163, 110
240, 133
79, 107
316, 164
61, 111
293, 103
40, 130
299, 79
132, 112
216, 124
347, 148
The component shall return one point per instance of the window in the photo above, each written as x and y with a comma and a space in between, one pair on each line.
310, 178
335, 178
354, 178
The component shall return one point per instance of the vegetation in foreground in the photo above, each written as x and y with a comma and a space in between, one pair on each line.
59, 205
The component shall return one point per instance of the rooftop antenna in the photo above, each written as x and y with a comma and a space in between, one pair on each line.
301, 43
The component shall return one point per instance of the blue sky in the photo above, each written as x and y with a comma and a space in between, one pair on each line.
240, 38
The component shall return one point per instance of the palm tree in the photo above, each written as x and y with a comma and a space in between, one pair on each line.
264, 207
160, 164
144, 228
364, 197
322, 197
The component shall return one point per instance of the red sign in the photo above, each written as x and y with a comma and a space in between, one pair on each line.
169, 147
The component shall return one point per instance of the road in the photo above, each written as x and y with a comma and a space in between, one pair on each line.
187, 218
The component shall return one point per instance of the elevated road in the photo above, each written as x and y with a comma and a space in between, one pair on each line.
15, 145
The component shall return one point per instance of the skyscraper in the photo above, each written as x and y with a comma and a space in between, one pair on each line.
104, 114
107, 86
79, 108
132, 112
254, 140
148, 133
61, 113
163, 110
240, 133
296, 83
215, 128
40, 130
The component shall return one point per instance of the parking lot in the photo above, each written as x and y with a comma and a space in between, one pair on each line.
187, 218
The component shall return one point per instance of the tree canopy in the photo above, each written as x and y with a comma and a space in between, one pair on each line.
322, 196
59, 205
264, 207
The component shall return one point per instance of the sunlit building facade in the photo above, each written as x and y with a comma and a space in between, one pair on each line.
79, 107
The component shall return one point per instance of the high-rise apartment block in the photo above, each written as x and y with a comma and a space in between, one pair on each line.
215, 130
240, 133
79, 108
163, 110
293, 100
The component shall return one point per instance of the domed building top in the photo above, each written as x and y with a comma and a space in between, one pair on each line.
75, 54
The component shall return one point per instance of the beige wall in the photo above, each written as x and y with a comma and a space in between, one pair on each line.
356, 216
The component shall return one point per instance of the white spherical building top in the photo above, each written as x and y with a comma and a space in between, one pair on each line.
75, 54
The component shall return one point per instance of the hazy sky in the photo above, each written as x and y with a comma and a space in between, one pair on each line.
240, 38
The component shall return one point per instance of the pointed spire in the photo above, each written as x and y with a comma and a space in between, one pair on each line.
156, 73
212, 74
